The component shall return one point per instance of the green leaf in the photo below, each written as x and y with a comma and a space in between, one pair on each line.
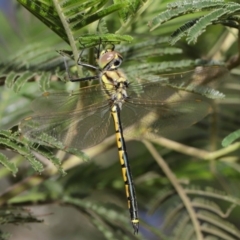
44, 10
144, 59
36, 165
77, 153
182, 31
11, 78
200, 26
22, 79
12, 140
91, 40
51, 157
182, 8
14, 215
96, 16
44, 81
75, 9
9, 165
133, 6
231, 138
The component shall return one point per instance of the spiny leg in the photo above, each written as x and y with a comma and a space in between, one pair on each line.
81, 64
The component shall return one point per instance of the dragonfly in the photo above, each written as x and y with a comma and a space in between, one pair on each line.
85, 117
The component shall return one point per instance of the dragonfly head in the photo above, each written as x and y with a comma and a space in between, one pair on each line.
110, 60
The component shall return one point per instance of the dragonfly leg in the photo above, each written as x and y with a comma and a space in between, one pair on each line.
80, 63
85, 79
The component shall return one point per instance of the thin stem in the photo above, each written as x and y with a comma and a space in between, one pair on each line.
177, 186
191, 151
69, 33
179, 147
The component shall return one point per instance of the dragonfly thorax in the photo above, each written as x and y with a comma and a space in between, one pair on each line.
115, 85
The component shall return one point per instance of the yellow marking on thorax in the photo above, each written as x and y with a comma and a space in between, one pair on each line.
111, 79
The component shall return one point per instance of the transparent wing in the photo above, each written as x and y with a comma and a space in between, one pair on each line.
160, 109
79, 120
68, 102
200, 76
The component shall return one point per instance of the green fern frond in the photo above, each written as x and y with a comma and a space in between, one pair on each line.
231, 138
34, 62
203, 203
11, 215
213, 193
53, 143
82, 24
201, 25
102, 26
172, 216
181, 31
185, 214
77, 153
147, 48
44, 11
105, 215
17, 80
183, 229
220, 13
73, 7
25, 148
44, 80
143, 69
144, 55
72, 19
208, 214
181, 8
218, 223
76, 25
6, 162
161, 196
12, 141
133, 6
91, 40
216, 232
27, 153
51, 157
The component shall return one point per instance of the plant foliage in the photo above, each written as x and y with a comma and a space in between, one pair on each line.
220, 12
171, 177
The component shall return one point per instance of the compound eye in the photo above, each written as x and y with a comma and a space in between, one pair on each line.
111, 60
117, 62
105, 59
